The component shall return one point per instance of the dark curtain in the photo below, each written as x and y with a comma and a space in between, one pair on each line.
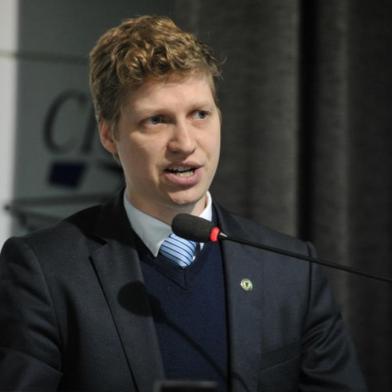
307, 112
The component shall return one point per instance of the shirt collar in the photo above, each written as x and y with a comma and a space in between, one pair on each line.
153, 231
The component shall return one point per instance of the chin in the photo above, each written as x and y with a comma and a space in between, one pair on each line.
186, 202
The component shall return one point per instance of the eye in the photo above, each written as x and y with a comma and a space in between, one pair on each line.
201, 114
155, 120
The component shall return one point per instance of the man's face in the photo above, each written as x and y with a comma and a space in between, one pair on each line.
168, 142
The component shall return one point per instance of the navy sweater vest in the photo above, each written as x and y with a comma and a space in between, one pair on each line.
189, 309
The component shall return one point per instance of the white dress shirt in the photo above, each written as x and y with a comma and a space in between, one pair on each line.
152, 231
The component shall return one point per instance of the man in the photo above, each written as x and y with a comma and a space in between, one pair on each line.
99, 303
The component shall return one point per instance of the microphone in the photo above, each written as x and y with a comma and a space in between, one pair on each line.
197, 229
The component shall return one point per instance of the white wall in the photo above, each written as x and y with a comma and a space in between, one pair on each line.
44, 48
8, 65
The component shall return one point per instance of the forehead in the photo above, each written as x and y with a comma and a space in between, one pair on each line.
174, 89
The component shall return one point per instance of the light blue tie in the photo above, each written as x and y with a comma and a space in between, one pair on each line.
178, 250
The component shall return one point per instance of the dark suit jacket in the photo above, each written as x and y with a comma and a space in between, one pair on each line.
74, 314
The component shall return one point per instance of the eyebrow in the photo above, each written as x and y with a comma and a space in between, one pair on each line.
148, 110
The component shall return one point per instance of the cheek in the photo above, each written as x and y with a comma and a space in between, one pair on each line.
138, 156
132, 149
214, 143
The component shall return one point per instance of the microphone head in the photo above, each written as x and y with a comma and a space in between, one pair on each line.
193, 228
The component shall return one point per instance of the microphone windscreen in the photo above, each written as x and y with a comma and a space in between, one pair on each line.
192, 227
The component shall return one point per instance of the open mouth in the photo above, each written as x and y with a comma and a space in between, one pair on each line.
182, 171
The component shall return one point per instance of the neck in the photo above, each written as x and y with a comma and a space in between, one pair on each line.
166, 213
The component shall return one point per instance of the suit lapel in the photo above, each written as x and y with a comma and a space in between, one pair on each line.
118, 268
244, 279
117, 265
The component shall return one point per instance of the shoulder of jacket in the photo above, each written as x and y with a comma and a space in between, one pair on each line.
258, 232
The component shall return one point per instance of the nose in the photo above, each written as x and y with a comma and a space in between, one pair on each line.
182, 139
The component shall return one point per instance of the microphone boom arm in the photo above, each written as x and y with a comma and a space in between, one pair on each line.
325, 263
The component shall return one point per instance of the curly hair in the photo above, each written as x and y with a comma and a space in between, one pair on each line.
139, 49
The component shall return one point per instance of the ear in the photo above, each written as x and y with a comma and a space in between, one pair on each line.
106, 136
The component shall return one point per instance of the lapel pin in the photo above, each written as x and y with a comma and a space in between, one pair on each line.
247, 284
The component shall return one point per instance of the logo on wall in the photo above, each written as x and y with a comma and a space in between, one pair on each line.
77, 161
71, 136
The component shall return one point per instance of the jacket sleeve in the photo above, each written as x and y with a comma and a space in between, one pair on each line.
328, 357
29, 343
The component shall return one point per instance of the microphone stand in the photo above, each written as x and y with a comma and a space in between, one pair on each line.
326, 263
202, 230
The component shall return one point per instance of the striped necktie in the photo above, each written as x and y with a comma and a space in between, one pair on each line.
178, 250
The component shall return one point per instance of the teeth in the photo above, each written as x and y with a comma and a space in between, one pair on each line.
182, 171
185, 174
